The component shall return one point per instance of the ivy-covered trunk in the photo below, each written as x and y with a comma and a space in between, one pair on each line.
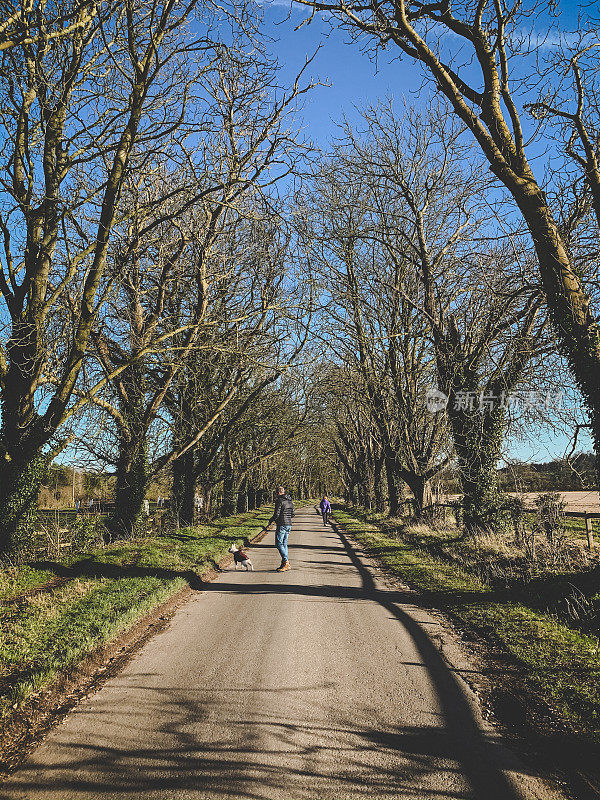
20, 482
478, 445
184, 488
129, 518
23, 439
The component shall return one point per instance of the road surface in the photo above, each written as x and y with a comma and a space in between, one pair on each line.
320, 682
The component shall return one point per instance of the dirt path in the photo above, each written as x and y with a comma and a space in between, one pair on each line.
315, 683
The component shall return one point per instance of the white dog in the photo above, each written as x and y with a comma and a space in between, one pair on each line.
239, 557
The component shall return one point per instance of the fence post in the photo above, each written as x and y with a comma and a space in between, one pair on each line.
589, 530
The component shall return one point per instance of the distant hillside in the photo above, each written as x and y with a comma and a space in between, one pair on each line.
578, 473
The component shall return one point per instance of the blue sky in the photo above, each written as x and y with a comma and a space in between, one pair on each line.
354, 79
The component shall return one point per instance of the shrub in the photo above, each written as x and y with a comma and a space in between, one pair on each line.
550, 515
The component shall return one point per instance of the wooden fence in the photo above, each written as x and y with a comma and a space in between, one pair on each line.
588, 516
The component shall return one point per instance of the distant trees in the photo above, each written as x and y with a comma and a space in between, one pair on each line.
355, 439
420, 301
575, 474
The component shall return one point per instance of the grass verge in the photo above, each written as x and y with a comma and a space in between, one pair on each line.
108, 590
560, 664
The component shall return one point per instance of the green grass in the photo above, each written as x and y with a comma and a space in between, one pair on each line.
14, 580
560, 663
113, 587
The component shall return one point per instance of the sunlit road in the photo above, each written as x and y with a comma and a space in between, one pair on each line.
315, 683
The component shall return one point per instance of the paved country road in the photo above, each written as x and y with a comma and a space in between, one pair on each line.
315, 683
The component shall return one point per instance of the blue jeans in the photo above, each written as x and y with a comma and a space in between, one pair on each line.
281, 536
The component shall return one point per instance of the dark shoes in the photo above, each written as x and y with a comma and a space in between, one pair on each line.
284, 567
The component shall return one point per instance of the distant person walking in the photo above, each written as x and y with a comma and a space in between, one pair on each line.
282, 517
325, 507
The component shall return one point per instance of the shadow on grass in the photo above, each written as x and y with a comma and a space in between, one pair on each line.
213, 539
551, 592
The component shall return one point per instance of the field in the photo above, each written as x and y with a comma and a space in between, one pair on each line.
588, 500
576, 501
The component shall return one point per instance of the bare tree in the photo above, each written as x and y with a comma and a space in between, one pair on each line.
479, 302
76, 108
27, 22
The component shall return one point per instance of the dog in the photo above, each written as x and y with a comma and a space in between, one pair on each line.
240, 557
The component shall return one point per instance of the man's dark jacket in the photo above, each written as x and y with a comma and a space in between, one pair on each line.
284, 510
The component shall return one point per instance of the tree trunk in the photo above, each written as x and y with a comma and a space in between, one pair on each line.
207, 493
379, 485
184, 489
421, 490
129, 518
478, 443
242, 497
229, 487
23, 464
353, 493
393, 482
366, 495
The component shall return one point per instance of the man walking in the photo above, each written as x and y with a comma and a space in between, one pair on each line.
282, 517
